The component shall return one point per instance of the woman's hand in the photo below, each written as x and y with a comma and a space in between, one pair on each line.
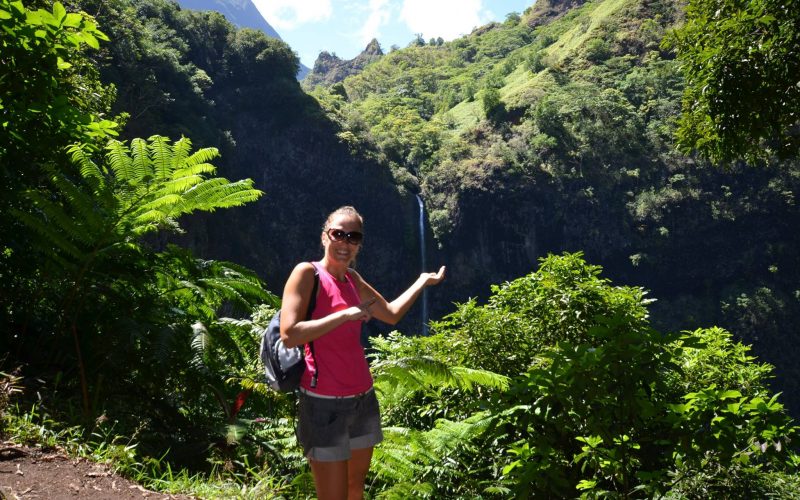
429, 279
360, 312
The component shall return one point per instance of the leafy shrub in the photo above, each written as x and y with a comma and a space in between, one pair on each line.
600, 404
597, 50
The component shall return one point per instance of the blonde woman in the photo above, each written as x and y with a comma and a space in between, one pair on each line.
339, 421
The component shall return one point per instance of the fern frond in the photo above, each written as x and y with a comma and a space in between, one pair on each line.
407, 454
165, 203
238, 276
498, 490
161, 157
49, 232
225, 195
418, 373
200, 168
118, 158
467, 378
192, 287
163, 343
141, 165
87, 205
241, 323
199, 345
200, 156
142, 229
88, 168
248, 384
182, 184
205, 195
224, 289
148, 218
180, 151
447, 435
394, 458
240, 197
61, 221
406, 490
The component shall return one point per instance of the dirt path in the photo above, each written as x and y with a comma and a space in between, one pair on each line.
30, 473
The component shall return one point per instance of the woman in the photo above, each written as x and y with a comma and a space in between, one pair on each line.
339, 422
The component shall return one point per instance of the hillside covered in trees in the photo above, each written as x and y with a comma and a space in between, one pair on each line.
555, 131
603, 283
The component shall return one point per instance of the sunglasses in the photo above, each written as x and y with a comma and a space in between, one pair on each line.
353, 237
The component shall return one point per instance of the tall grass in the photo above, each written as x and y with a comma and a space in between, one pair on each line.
34, 427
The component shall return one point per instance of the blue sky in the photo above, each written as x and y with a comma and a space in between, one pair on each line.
344, 27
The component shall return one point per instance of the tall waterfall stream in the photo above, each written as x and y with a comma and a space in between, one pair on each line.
423, 262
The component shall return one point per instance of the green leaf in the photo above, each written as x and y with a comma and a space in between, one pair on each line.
59, 12
72, 20
730, 394
510, 467
90, 40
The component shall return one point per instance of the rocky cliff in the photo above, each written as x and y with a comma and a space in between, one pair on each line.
329, 68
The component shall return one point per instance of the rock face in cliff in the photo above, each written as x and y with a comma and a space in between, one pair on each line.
305, 174
329, 69
546, 11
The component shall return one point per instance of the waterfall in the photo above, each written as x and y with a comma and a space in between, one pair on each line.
423, 262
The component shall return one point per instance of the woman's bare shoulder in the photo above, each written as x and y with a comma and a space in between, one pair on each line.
304, 271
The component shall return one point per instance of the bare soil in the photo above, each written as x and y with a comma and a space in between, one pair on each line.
33, 473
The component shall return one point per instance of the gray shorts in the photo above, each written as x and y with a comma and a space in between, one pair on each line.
329, 428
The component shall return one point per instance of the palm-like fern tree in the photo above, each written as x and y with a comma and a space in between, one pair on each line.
90, 228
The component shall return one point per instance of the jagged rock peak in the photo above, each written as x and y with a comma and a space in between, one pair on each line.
330, 69
373, 48
325, 61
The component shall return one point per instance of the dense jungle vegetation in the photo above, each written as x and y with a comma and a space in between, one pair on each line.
544, 146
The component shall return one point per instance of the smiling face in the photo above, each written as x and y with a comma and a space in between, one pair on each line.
342, 251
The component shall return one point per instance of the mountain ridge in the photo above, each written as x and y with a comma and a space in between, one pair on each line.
330, 69
241, 13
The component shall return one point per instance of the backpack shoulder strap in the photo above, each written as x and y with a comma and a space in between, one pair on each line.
312, 303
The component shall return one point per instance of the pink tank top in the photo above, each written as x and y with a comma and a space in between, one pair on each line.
341, 363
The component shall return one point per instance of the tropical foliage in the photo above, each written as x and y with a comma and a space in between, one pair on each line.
741, 64
608, 407
94, 302
551, 130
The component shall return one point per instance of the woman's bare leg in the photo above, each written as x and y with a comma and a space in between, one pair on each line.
330, 479
357, 468
344, 479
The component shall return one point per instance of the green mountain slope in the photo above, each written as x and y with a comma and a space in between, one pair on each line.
242, 13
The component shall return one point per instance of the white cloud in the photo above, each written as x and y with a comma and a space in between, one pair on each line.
445, 18
379, 15
288, 14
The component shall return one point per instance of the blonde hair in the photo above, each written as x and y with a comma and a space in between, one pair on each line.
345, 210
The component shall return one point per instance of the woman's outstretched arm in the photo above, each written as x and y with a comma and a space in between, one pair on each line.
392, 312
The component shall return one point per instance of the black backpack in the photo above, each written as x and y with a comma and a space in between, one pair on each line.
285, 366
